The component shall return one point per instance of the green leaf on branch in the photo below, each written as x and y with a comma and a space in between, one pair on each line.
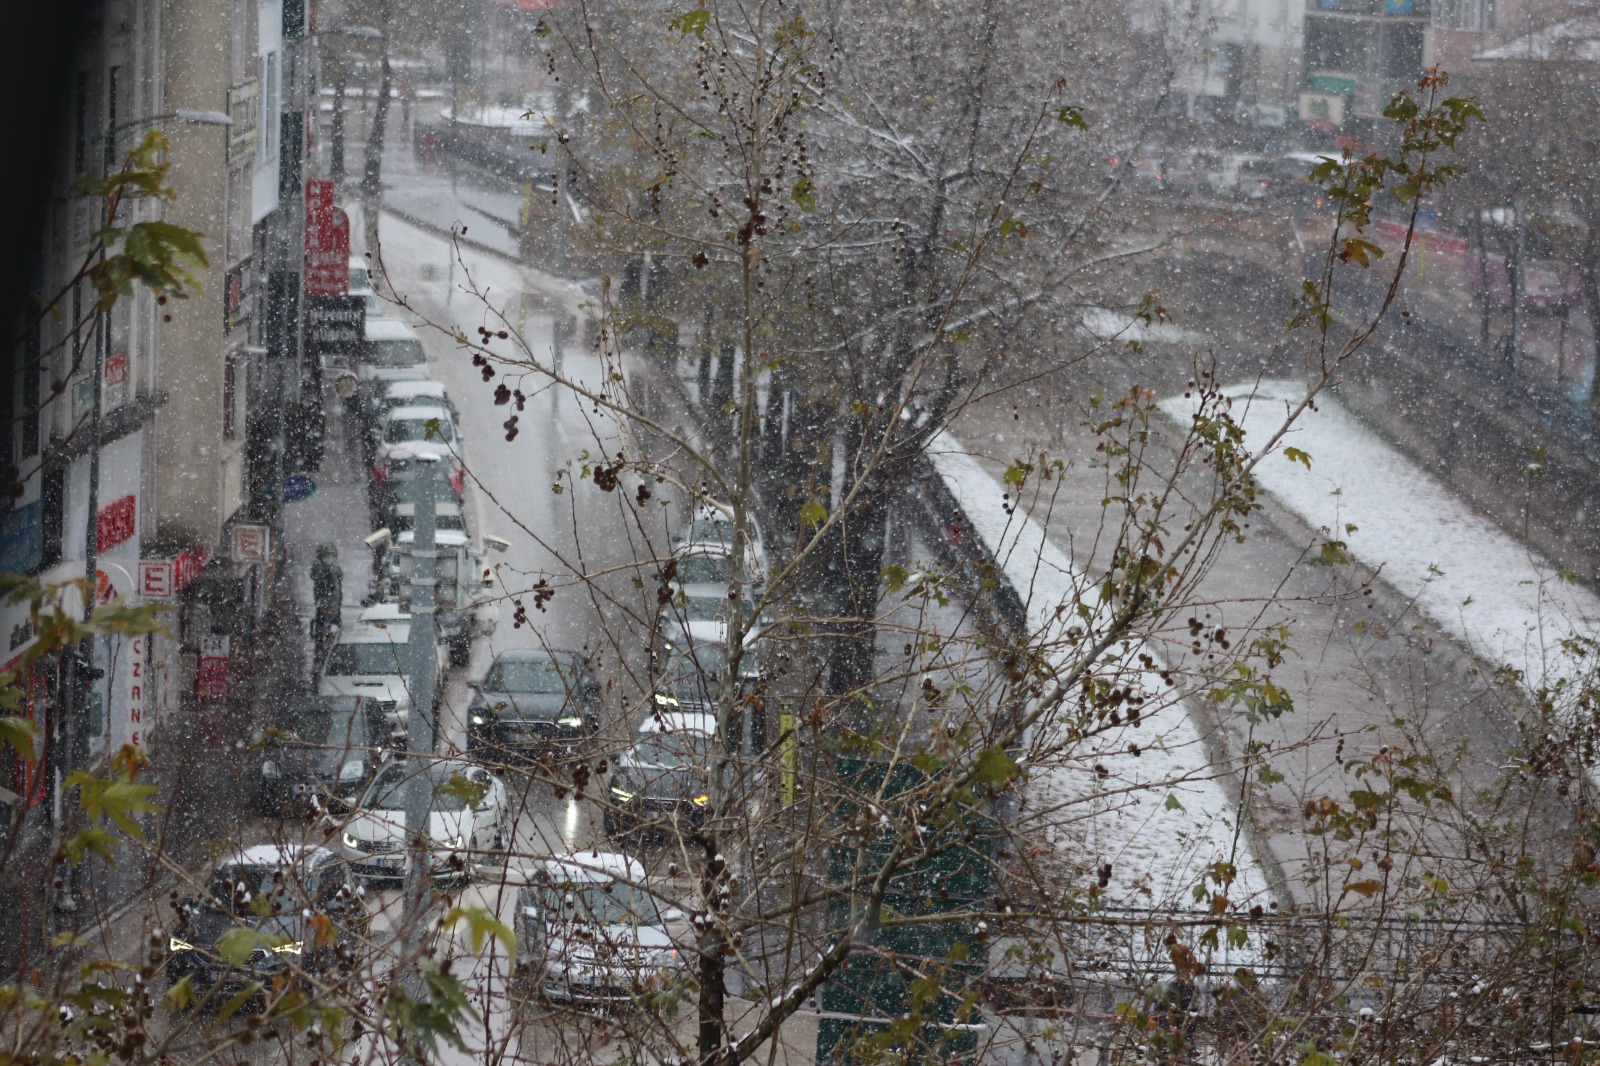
1295, 455
694, 22
481, 927
813, 513
1070, 115
20, 734
804, 193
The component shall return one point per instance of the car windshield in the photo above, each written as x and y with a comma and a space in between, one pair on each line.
404, 429
540, 676
331, 725
609, 903
714, 528
404, 351
350, 660
688, 747
388, 793
703, 569
240, 886
359, 281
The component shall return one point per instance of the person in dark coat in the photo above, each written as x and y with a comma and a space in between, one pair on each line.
327, 594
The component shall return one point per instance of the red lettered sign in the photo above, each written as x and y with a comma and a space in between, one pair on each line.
327, 242
116, 522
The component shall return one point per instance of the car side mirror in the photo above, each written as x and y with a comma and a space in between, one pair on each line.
530, 912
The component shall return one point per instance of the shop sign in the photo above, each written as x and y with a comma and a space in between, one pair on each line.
155, 579
211, 674
251, 543
327, 242
186, 567
115, 376
116, 522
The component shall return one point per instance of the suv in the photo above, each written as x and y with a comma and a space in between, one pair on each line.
284, 894
589, 930
373, 659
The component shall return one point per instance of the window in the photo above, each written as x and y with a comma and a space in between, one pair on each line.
268, 134
230, 395
1475, 15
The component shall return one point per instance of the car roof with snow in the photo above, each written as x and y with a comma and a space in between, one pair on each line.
388, 611
389, 329
397, 632
400, 390
659, 721
278, 855
444, 538
418, 411
587, 866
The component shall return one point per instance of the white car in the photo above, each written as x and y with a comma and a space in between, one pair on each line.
373, 659
711, 526
417, 425
468, 820
392, 352
424, 392
589, 929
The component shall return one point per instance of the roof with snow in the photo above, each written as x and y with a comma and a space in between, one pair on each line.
1572, 41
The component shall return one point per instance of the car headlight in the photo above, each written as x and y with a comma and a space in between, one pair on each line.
572, 721
295, 948
269, 768
352, 771
455, 843
622, 795
174, 944
702, 800
666, 701
479, 719
351, 842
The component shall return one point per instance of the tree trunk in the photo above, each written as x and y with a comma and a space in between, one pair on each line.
372, 170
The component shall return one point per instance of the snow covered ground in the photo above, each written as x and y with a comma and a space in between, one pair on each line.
1158, 850
1504, 602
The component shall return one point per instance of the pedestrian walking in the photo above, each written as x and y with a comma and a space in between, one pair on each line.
327, 595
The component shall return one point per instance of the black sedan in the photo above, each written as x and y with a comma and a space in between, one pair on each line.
531, 700
320, 753
271, 912
661, 783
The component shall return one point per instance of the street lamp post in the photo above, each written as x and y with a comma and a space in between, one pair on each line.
420, 728
81, 672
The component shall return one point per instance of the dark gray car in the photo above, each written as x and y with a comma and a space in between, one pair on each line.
319, 753
531, 699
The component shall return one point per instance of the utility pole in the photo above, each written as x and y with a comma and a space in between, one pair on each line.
420, 723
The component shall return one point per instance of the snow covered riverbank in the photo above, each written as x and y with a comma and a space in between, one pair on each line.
1160, 818
1504, 602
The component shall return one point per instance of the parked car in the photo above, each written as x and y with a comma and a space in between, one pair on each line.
361, 285
279, 891
661, 783
424, 392
469, 817
401, 462
392, 352
531, 699
416, 425
320, 753
589, 929
711, 525
373, 659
